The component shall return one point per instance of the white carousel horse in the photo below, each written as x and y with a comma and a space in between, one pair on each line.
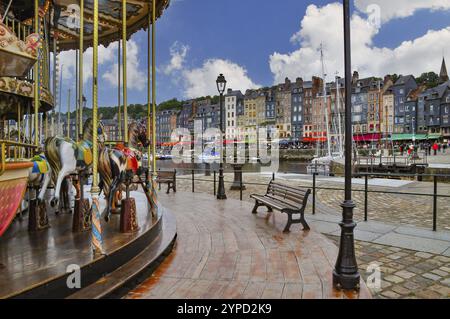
67, 157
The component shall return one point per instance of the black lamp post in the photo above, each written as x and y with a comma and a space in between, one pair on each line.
221, 84
345, 274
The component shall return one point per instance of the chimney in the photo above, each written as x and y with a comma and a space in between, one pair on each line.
229, 91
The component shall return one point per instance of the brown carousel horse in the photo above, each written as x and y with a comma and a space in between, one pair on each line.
67, 157
120, 165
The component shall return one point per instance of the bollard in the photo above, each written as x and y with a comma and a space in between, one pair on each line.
193, 189
366, 188
435, 203
214, 183
314, 194
240, 188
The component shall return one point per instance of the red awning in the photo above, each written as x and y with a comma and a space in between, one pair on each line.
371, 137
314, 139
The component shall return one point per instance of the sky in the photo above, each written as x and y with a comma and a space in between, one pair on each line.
258, 43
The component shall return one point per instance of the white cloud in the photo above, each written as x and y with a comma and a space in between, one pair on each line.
178, 52
391, 9
136, 74
416, 56
107, 60
202, 81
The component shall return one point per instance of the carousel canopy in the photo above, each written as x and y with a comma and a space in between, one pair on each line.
110, 20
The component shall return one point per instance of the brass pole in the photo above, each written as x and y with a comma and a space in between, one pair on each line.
154, 84
95, 189
76, 95
124, 67
19, 129
80, 70
119, 115
97, 240
36, 76
149, 106
68, 115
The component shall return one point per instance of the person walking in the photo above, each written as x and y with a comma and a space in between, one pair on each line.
435, 148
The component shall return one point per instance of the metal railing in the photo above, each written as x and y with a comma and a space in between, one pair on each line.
434, 194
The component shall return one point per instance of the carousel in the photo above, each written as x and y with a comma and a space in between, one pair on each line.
79, 214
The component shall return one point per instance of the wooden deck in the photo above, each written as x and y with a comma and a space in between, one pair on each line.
223, 251
34, 264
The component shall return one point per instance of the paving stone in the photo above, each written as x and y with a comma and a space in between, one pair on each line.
411, 286
428, 294
444, 268
394, 279
405, 274
431, 276
439, 272
423, 255
401, 290
446, 282
390, 294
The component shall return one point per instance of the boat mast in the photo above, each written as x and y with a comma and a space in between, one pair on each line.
325, 107
338, 106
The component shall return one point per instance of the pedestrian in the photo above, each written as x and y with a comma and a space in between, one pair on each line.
435, 148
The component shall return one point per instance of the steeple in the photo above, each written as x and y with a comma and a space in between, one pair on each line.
443, 75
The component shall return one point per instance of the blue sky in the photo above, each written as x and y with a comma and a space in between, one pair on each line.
253, 42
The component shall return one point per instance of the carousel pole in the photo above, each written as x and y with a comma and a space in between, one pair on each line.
55, 81
119, 115
154, 85
68, 115
80, 71
149, 105
60, 100
36, 77
124, 67
97, 242
76, 95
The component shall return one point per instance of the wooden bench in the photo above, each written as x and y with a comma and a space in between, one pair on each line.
169, 178
286, 199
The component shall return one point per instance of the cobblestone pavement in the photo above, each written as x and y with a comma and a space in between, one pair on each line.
396, 209
405, 273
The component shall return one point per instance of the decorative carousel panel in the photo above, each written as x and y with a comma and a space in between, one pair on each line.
13, 183
16, 57
15, 92
110, 20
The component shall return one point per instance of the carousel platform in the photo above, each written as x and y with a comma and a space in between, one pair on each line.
35, 264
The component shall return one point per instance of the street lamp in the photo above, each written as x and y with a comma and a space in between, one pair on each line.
345, 274
221, 84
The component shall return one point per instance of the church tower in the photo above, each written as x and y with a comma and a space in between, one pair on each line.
443, 75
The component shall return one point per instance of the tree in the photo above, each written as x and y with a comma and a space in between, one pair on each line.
429, 79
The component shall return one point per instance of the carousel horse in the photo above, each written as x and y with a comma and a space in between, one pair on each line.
39, 175
118, 164
68, 157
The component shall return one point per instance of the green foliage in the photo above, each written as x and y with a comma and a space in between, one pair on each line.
172, 104
430, 79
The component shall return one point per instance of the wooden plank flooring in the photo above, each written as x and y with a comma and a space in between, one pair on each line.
223, 251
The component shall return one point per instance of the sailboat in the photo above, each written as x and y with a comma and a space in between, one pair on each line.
321, 164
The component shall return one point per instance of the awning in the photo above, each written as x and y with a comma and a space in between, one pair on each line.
407, 137
434, 136
371, 137
314, 139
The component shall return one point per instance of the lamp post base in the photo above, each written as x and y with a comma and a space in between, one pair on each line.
221, 191
346, 282
345, 274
